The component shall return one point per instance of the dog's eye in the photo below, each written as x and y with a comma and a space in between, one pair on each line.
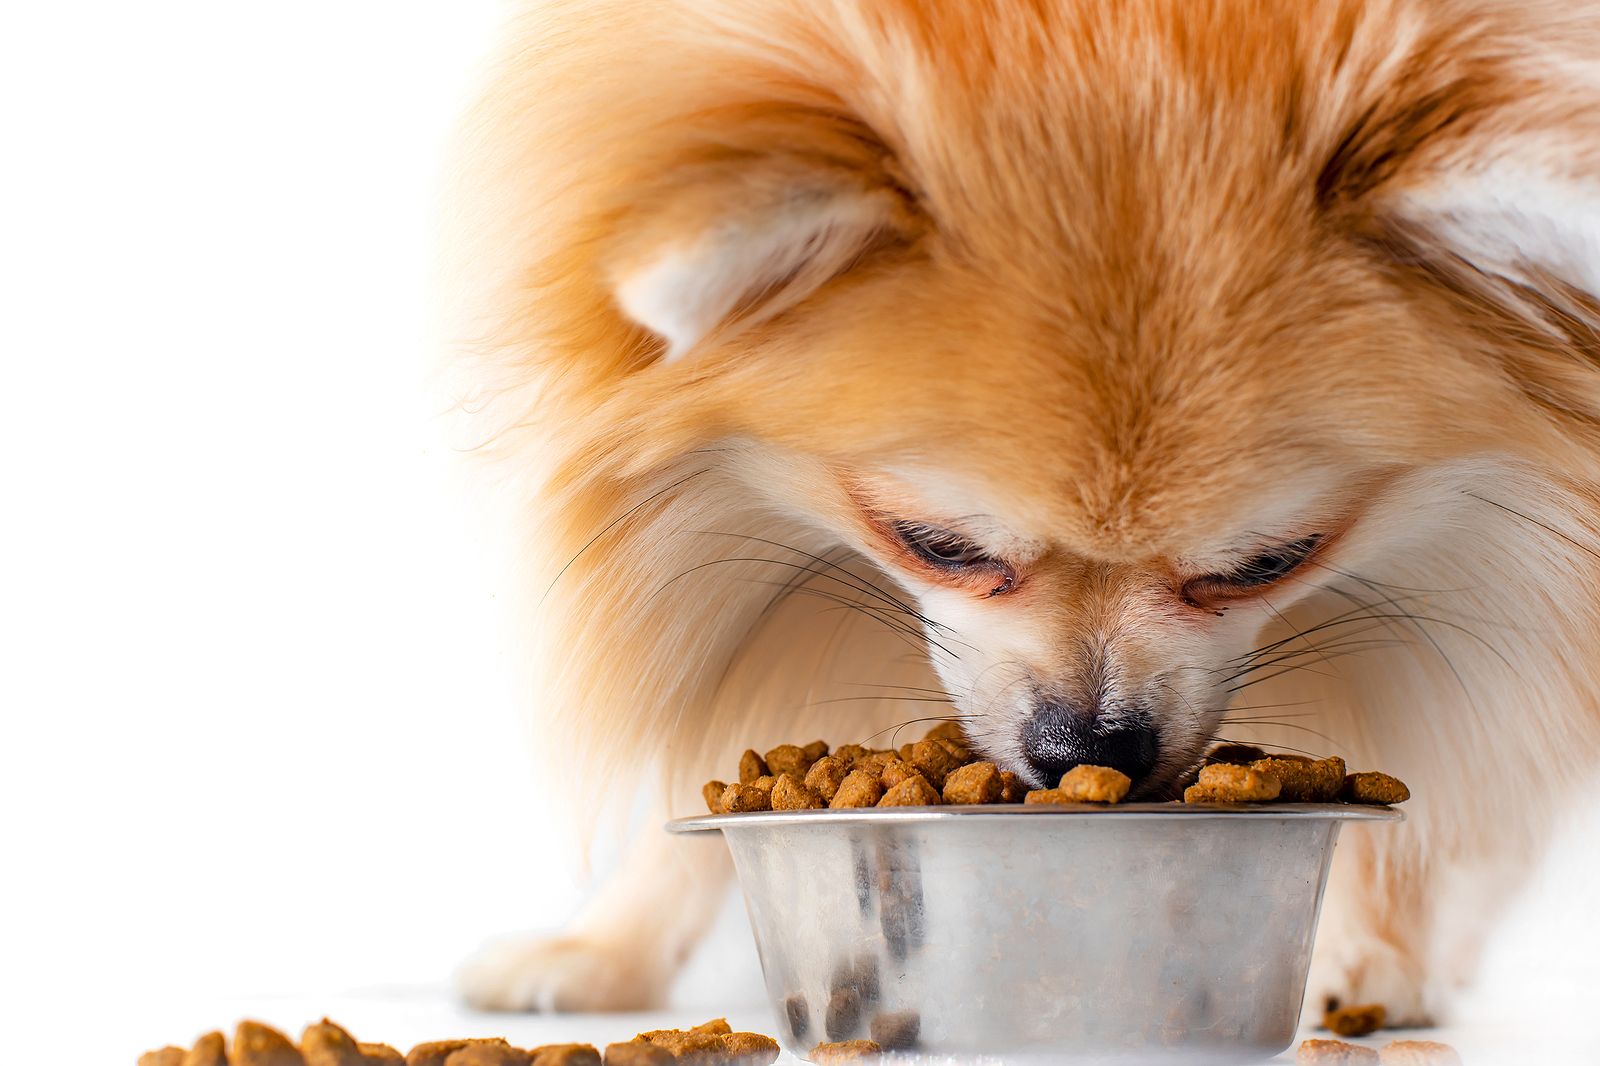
1268, 567
941, 547
1274, 564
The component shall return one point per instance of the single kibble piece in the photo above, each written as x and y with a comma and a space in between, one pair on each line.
166, 1056
1095, 784
434, 1052
326, 1044
1011, 787
1226, 783
798, 1013
976, 782
873, 762
904, 751
703, 1043
934, 759
1334, 1053
844, 1051
948, 731
843, 1014
766, 783
897, 771
897, 1031
638, 1053
859, 789
788, 759
438, 1052
1236, 754
1373, 788
859, 975
737, 799
815, 750
751, 766
565, 1055
712, 794
1304, 780
1418, 1053
1046, 795
255, 1044
912, 792
489, 1053
750, 1049
826, 775
209, 1050
1359, 1020
849, 753
790, 795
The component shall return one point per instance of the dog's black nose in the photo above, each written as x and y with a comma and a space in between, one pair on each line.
1060, 736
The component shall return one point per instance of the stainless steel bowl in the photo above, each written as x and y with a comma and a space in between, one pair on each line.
1141, 933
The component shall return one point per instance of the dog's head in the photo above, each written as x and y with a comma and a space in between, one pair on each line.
1109, 331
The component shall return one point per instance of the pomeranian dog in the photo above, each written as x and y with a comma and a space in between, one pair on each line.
1113, 378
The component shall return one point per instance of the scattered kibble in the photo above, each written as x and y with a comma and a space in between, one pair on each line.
1334, 1053
845, 1051
1418, 1053
327, 1044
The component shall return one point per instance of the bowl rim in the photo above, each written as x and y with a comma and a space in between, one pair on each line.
855, 816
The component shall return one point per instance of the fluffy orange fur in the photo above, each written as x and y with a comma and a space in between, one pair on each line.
1117, 290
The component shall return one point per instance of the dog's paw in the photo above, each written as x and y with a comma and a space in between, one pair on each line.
1371, 973
560, 974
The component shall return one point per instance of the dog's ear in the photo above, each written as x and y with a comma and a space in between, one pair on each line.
727, 247
1480, 176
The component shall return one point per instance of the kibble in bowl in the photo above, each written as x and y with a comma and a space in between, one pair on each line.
944, 768
983, 918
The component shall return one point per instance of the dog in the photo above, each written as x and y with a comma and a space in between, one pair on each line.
1113, 379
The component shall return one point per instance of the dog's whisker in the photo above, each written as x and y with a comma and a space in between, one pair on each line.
877, 589
878, 699
624, 516
1285, 725
783, 562
1335, 645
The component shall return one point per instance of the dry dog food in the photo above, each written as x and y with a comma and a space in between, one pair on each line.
1228, 783
1095, 784
1417, 1053
1373, 788
942, 768
1334, 1053
1303, 780
638, 1053
326, 1044
897, 1031
845, 1051
1357, 1020
976, 782
1394, 1053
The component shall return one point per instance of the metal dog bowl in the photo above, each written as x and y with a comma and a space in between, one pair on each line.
1150, 932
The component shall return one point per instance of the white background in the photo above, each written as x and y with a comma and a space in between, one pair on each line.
258, 741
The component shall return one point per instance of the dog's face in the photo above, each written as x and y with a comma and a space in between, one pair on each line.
1099, 494
1108, 372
